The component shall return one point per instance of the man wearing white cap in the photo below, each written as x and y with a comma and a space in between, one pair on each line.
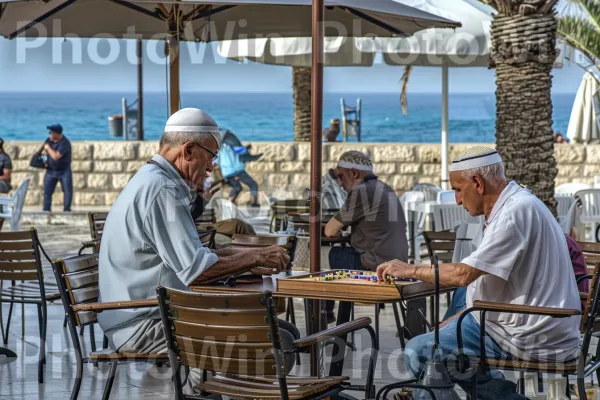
150, 238
374, 213
522, 259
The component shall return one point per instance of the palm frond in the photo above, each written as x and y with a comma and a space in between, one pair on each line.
582, 35
404, 93
590, 11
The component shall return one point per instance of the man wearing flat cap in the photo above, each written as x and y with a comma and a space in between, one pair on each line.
521, 259
150, 238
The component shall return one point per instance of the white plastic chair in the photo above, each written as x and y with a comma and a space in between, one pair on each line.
446, 197
563, 205
590, 208
448, 216
569, 189
12, 206
431, 191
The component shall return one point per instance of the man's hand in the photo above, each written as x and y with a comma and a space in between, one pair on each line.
393, 268
274, 257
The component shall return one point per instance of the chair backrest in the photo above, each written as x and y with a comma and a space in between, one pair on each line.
19, 201
446, 197
591, 253
20, 257
429, 189
207, 237
208, 217
280, 208
225, 333
441, 244
590, 205
589, 320
447, 216
255, 241
569, 189
97, 221
563, 204
77, 280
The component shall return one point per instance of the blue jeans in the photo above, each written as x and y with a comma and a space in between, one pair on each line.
51, 178
345, 258
491, 386
458, 303
236, 184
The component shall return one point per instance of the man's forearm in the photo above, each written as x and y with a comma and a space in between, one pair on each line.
452, 275
228, 252
228, 266
53, 153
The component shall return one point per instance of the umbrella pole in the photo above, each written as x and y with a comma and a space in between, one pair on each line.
445, 185
174, 74
140, 117
318, 11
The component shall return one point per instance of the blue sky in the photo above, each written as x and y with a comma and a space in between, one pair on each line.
59, 66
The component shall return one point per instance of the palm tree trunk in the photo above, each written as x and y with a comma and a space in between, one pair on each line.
523, 52
301, 82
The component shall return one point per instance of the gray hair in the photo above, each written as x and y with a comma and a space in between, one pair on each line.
174, 139
490, 173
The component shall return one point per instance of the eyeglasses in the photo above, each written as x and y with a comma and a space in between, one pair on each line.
212, 153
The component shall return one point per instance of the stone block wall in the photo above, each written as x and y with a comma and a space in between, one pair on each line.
102, 169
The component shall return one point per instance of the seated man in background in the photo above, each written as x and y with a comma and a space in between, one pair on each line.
522, 259
374, 214
150, 238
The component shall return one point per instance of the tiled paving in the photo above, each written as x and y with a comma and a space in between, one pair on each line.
18, 377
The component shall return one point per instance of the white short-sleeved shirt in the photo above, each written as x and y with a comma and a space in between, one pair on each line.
524, 252
149, 239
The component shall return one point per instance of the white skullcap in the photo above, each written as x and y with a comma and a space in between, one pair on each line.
475, 157
193, 120
355, 160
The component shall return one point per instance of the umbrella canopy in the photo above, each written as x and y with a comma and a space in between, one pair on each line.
212, 20
466, 46
583, 124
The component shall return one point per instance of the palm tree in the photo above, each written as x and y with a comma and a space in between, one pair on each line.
523, 52
580, 27
301, 83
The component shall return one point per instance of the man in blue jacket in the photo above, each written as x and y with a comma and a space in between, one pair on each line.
234, 171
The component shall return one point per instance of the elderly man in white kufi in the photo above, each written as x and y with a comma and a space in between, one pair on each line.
522, 259
150, 238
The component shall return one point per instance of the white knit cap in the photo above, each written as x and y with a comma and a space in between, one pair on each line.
475, 157
355, 160
193, 120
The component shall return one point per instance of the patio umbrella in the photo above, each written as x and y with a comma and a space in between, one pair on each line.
583, 124
206, 21
467, 46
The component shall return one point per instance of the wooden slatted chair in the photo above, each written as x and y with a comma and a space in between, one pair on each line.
281, 208
207, 237
96, 220
591, 252
237, 337
582, 367
20, 260
77, 279
440, 244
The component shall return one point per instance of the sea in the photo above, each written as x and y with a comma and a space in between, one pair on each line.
263, 116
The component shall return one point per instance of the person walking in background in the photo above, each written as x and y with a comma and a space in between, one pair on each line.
5, 169
58, 149
234, 172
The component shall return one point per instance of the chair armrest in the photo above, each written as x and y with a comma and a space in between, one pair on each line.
115, 305
90, 243
339, 330
512, 308
7, 201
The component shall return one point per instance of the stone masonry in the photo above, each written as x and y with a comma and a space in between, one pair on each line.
102, 169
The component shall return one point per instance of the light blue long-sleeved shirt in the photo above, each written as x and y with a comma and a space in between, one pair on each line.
149, 239
229, 161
